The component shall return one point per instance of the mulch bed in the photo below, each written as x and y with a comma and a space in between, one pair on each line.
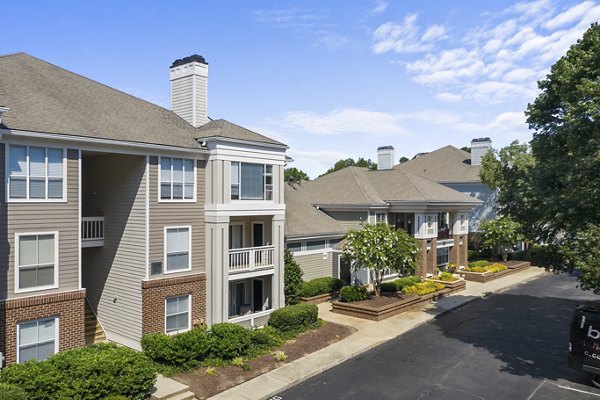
204, 386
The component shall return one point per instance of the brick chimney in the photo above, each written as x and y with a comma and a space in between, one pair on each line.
385, 157
189, 89
479, 147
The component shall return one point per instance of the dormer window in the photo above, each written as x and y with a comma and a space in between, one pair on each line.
251, 181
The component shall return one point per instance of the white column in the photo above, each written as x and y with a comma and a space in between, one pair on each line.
278, 243
217, 269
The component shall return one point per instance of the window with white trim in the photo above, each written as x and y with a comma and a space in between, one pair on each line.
35, 173
442, 256
176, 179
177, 249
251, 181
177, 314
36, 340
36, 261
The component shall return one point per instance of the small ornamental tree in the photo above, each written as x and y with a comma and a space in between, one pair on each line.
292, 278
500, 235
379, 248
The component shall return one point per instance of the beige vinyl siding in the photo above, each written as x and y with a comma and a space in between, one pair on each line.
314, 266
177, 213
349, 219
112, 274
31, 217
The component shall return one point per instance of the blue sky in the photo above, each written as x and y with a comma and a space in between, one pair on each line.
332, 79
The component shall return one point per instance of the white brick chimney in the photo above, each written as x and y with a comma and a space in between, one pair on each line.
385, 157
479, 147
189, 89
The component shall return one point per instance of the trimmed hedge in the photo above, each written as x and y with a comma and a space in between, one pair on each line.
89, 373
446, 277
398, 284
185, 350
353, 293
323, 285
296, 318
12, 392
423, 288
479, 263
229, 341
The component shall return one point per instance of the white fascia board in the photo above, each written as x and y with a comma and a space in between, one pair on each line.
432, 206
351, 207
314, 236
105, 145
247, 154
241, 210
216, 140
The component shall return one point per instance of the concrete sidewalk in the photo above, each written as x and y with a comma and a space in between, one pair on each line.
369, 334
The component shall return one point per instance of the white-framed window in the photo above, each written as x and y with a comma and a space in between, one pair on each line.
251, 181
178, 244
177, 179
178, 317
443, 256
36, 261
37, 340
35, 173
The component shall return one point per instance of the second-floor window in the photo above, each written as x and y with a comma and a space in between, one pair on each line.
36, 261
176, 179
251, 181
35, 173
177, 249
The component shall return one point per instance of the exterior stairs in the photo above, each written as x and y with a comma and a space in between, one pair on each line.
169, 389
93, 330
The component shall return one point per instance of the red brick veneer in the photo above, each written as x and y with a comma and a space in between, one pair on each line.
69, 307
155, 291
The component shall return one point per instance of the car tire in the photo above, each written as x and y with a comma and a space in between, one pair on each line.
595, 380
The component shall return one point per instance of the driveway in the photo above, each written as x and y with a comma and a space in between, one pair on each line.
510, 345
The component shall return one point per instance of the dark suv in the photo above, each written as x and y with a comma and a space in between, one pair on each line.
584, 341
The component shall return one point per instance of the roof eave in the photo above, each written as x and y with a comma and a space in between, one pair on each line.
218, 138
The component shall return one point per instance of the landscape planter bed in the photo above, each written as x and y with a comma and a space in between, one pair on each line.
483, 277
454, 286
395, 306
321, 298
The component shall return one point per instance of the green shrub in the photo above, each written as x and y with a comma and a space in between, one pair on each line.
423, 288
496, 267
88, 373
294, 318
12, 392
116, 397
228, 341
317, 286
184, 350
479, 263
447, 277
353, 293
292, 278
388, 287
266, 338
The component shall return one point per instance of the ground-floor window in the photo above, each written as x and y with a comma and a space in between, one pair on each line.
37, 340
177, 314
442, 256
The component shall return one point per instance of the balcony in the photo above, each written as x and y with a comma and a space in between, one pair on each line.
92, 231
250, 259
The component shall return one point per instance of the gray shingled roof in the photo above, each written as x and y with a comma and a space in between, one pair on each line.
223, 128
447, 164
302, 218
45, 98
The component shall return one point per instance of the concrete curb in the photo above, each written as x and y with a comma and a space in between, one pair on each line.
368, 336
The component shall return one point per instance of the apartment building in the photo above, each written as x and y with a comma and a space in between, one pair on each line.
436, 215
120, 212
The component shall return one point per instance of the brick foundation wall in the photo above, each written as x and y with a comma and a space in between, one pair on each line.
69, 307
154, 293
458, 254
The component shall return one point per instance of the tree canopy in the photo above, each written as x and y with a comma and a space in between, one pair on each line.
379, 248
500, 235
296, 174
552, 187
349, 162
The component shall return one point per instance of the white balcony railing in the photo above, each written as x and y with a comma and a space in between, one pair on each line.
249, 259
92, 231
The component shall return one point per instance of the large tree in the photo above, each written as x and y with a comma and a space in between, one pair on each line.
564, 177
380, 248
500, 235
296, 174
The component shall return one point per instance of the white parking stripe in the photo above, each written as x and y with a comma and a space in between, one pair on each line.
578, 390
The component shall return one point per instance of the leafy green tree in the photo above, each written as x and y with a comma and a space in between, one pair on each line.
403, 159
295, 173
349, 162
466, 148
379, 248
500, 235
292, 278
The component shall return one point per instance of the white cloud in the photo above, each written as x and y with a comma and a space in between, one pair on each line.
380, 7
404, 37
448, 97
499, 60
